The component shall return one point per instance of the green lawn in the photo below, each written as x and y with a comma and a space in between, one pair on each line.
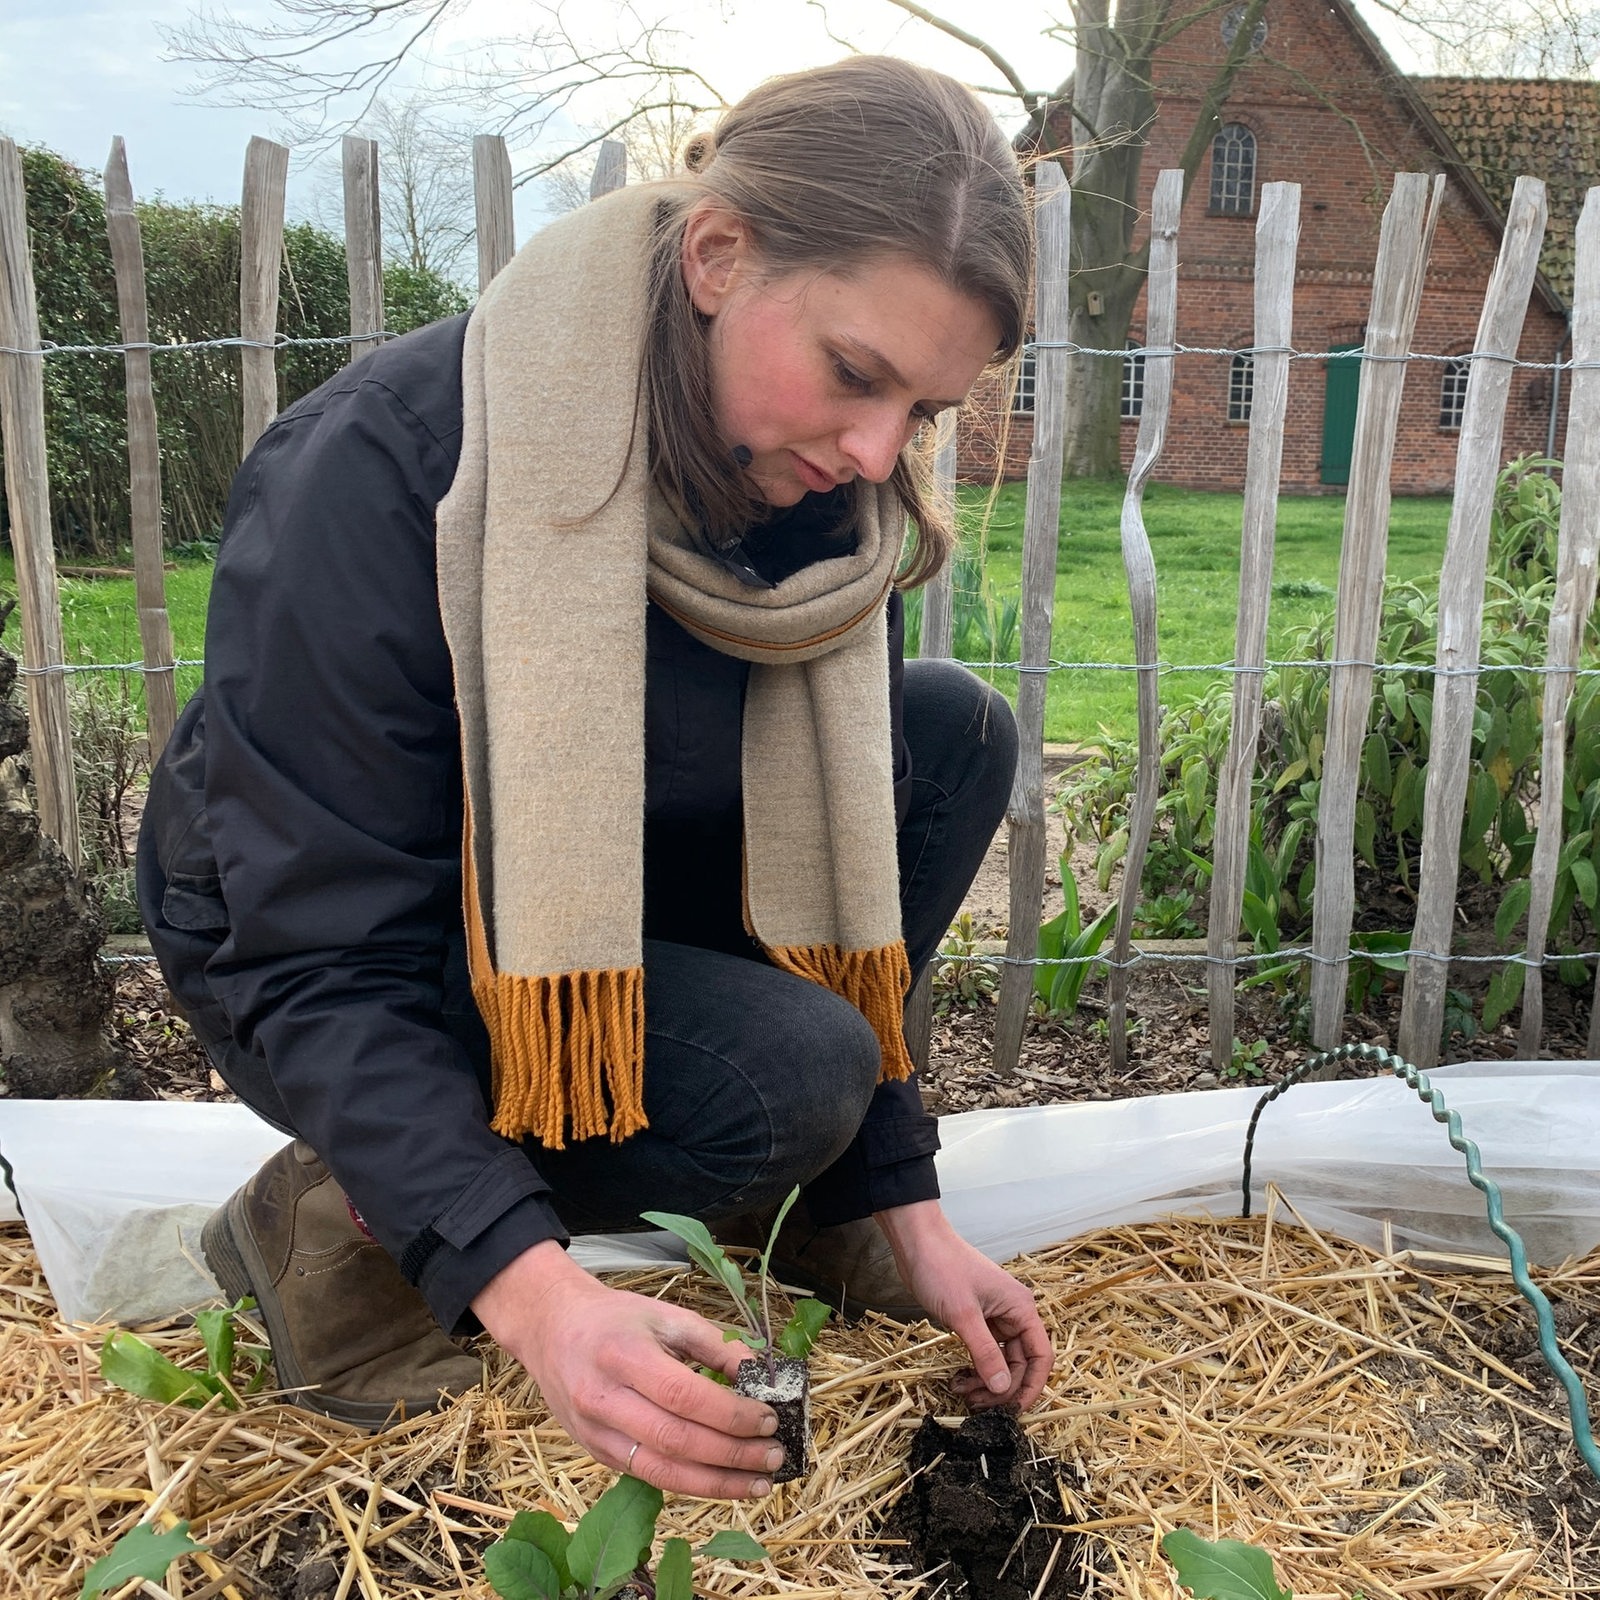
1195, 537
1196, 541
101, 622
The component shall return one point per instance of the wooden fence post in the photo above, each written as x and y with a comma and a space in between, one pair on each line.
1576, 552
363, 242
144, 454
1277, 238
1403, 245
610, 168
938, 617
491, 191
28, 501
266, 171
1161, 335
933, 644
1460, 631
1040, 542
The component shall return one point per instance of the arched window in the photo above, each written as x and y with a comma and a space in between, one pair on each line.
1233, 171
1133, 381
1241, 388
1027, 375
1453, 392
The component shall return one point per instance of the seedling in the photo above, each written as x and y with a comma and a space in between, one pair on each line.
129, 1363
141, 1552
776, 1372
1247, 1060
604, 1557
1222, 1569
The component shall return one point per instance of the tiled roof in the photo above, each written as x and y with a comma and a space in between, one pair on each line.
1506, 128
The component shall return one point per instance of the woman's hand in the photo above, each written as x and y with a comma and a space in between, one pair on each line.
614, 1369
993, 1314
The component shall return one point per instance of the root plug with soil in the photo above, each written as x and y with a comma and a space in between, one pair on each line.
776, 1373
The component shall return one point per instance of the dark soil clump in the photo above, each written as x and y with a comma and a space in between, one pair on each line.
978, 1494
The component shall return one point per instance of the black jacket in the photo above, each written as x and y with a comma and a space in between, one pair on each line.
300, 870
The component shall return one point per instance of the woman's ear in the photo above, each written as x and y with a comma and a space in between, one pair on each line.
716, 249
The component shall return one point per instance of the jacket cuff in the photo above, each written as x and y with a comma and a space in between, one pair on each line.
890, 1164
505, 1210
454, 1276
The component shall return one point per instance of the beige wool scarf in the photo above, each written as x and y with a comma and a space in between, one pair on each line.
543, 577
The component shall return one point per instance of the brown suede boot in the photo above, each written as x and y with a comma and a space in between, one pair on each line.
348, 1333
849, 1266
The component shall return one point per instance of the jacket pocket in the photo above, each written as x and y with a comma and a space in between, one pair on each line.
194, 903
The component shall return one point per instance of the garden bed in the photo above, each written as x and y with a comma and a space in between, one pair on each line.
1382, 1424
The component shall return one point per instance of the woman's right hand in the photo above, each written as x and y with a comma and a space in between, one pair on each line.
617, 1369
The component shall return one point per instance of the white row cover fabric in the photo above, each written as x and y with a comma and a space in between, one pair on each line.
115, 1192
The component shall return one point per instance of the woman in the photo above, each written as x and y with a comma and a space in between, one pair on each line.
604, 895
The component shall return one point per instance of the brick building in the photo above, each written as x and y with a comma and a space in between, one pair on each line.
1321, 103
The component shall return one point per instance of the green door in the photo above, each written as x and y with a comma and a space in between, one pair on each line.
1343, 383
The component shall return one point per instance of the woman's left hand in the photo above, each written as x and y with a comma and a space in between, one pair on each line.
993, 1314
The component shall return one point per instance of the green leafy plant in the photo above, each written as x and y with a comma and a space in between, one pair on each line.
961, 974
1222, 1569
1302, 589
606, 1554
141, 1552
128, 1362
1503, 792
798, 1335
1167, 916
1064, 939
984, 626
1246, 1060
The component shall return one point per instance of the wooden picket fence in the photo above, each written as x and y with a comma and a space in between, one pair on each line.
1406, 234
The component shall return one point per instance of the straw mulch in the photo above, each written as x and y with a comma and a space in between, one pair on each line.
1372, 1420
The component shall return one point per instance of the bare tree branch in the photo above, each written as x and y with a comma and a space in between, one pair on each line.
1028, 97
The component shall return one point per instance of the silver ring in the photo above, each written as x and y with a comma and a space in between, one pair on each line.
631, 1454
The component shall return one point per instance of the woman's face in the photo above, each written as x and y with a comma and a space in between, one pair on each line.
825, 376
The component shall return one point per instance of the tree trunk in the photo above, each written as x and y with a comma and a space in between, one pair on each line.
1094, 383
1113, 107
55, 997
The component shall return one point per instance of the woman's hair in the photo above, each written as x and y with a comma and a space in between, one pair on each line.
830, 169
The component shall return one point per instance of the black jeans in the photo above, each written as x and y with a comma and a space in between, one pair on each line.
757, 1080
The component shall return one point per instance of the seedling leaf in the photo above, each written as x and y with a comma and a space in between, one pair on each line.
704, 1251
614, 1534
1222, 1569
216, 1333
546, 1533
672, 1572
518, 1570
801, 1330
131, 1364
732, 1544
142, 1552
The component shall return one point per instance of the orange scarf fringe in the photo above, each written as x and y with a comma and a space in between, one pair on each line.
875, 982
563, 1047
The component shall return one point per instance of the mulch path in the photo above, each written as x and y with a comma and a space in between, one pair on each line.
1378, 1423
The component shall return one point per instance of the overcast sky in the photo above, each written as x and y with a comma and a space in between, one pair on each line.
75, 72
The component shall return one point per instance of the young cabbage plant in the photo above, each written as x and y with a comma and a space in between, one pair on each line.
776, 1371
606, 1556
1222, 1569
128, 1362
